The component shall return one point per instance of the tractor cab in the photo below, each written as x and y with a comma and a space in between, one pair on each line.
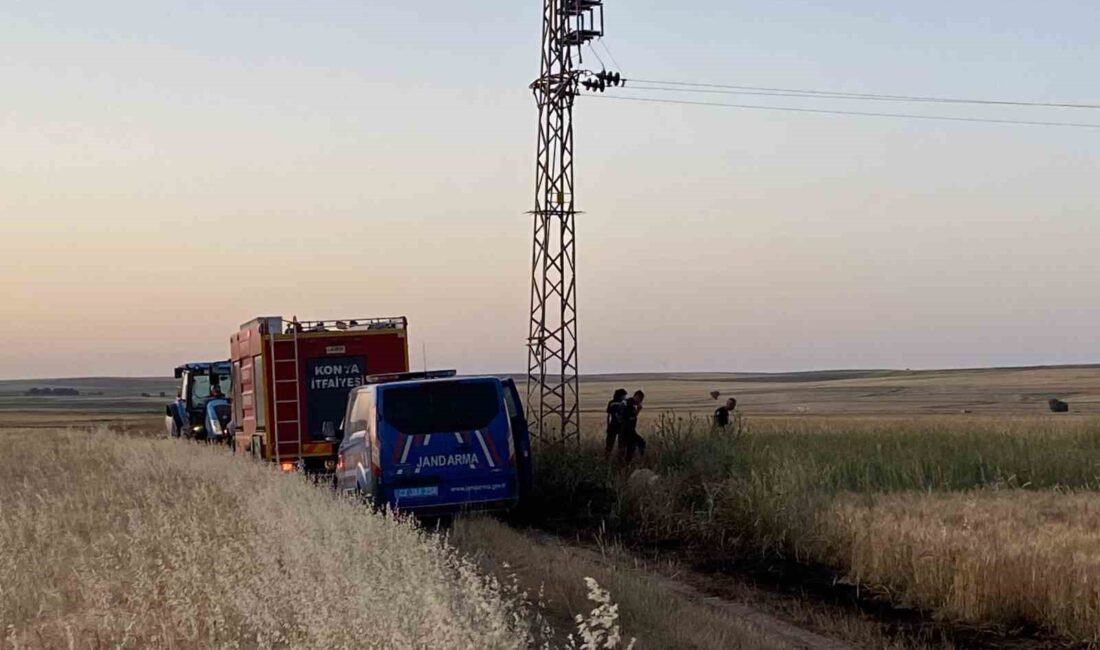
201, 408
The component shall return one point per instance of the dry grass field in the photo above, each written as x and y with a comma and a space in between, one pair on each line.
119, 538
101, 395
110, 541
994, 391
952, 492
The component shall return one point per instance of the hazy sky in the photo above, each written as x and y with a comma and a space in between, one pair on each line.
170, 169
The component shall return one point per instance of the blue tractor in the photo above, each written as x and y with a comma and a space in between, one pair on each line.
201, 410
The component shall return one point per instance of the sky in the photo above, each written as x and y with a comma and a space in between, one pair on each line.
171, 169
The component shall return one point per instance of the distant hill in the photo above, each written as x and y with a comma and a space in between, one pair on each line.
1020, 390
115, 394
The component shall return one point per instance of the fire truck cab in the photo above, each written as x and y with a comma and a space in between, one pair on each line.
291, 381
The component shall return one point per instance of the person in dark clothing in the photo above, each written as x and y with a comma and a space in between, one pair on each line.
723, 413
615, 411
629, 438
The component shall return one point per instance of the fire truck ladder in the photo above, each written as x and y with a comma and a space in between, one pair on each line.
294, 381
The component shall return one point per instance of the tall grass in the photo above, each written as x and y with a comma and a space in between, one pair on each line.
119, 542
773, 489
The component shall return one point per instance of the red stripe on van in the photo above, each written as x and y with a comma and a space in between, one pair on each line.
398, 447
492, 447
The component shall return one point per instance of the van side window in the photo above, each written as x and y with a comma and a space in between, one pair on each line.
510, 403
360, 412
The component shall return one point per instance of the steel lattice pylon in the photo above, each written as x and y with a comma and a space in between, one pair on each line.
552, 384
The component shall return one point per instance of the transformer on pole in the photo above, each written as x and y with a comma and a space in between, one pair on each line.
552, 384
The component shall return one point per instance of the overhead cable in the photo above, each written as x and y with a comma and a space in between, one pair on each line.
792, 109
685, 86
607, 49
597, 54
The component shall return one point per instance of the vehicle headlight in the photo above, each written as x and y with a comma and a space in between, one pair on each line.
197, 428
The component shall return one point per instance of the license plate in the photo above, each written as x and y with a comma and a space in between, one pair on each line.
417, 492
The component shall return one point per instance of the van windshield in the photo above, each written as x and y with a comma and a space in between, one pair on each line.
440, 407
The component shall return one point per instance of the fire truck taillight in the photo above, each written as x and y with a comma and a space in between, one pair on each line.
286, 466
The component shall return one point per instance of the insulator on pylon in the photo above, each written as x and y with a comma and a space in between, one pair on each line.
610, 78
594, 85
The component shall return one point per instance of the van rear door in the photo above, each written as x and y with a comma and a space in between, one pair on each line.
445, 444
521, 437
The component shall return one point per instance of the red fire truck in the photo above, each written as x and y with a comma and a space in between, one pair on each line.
291, 381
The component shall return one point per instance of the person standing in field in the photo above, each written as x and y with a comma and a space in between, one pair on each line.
615, 411
723, 414
629, 440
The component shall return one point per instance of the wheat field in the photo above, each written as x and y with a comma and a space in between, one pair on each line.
1007, 556
982, 520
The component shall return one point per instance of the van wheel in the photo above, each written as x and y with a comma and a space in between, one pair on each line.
366, 498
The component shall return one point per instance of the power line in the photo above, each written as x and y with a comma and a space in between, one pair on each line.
609, 54
824, 111
597, 54
810, 95
719, 88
